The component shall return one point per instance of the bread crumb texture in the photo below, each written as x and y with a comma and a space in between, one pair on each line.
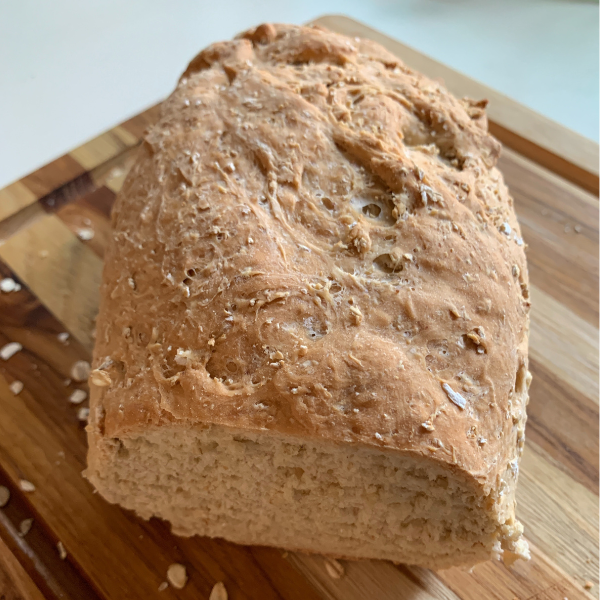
315, 242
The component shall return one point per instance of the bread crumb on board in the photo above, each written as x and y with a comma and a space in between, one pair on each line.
26, 486
588, 585
16, 387
83, 414
62, 553
25, 527
334, 568
80, 371
85, 234
9, 350
4, 496
8, 284
177, 576
219, 592
163, 586
78, 396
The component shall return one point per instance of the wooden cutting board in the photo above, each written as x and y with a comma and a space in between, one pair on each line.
111, 554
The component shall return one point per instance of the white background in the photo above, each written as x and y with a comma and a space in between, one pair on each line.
70, 69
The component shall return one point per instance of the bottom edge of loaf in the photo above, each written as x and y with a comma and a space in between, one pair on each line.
437, 564
272, 490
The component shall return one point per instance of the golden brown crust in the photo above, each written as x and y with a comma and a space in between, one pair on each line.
315, 239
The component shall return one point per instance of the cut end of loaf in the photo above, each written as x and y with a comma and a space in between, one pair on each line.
263, 488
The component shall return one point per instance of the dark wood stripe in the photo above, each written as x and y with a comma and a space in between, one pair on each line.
53, 175
15, 583
19, 309
86, 186
91, 212
100, 201
37, 551
414, 574
285, 578
69, 192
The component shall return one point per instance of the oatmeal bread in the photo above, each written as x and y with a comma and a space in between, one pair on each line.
314, 311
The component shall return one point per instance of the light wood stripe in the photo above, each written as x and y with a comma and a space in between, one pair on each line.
115, 168
371, 579
15, 197
564, 343
53, 175
22, 219
565, 424
103, 148
560, 186
559, 515
539, 579
39, 254
559, 223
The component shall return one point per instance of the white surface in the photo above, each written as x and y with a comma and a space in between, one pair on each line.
70, 69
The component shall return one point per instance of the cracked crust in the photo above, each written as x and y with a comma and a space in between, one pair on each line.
315, 240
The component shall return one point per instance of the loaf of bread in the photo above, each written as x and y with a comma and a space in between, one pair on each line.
314, 311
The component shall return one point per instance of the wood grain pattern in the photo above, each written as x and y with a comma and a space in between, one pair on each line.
561, 225
43, 441
53, 175
38, 255
14, 581
572, 445
15, 197
561, 150
37, 552
564, 342
104, 147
